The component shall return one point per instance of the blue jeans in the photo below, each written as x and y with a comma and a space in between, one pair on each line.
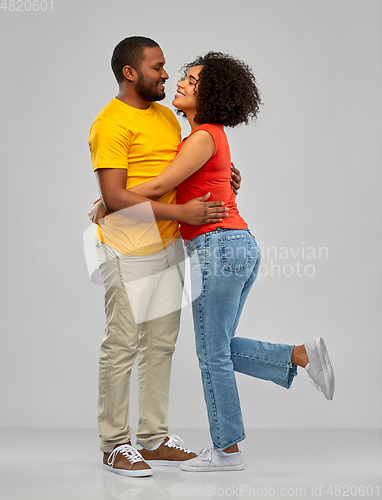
224, 266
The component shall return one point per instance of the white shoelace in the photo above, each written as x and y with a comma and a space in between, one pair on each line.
206, 454
173, 441
128, 451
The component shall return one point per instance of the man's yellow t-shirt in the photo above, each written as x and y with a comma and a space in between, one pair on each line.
143, 141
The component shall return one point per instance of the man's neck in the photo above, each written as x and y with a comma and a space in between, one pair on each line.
133, 100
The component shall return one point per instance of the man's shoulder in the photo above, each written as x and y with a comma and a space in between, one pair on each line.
166, 112
109, 118
110, 111
125, 118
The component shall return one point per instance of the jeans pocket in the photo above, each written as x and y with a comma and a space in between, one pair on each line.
235, 252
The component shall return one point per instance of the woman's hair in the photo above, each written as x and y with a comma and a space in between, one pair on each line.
227, 91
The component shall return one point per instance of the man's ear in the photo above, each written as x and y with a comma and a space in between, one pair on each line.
129, 73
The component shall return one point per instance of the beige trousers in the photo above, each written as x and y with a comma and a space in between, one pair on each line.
142, 306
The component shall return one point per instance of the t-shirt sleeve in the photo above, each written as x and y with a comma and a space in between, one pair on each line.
109, 144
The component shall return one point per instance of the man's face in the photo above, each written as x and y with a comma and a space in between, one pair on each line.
151, 75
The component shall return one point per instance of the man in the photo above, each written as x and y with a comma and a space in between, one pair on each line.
131, 141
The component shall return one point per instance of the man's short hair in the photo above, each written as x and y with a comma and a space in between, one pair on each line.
129, 52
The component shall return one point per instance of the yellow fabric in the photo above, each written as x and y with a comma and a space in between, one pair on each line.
144, 142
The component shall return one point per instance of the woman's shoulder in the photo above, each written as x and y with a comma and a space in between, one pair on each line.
215, 130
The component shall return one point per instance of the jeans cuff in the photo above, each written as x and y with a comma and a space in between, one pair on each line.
232, 443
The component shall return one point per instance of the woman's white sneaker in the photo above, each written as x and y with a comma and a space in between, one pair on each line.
213, 460
320, 368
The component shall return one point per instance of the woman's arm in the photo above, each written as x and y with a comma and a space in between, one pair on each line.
195, 152
115, 197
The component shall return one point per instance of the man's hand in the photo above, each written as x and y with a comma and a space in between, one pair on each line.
199, 211
235, 179
97, 212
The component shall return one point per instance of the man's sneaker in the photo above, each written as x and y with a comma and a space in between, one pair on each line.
213, 460
168, 453
127, 461
320, 369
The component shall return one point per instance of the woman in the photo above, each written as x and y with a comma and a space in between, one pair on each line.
219, 91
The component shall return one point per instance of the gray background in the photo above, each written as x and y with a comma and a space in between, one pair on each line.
311, 178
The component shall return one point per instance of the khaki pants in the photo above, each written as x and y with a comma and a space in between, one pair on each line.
142, 306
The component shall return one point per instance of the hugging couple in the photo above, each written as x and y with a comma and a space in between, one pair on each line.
159, 197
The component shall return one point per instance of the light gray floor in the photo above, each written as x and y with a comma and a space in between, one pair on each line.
65, 464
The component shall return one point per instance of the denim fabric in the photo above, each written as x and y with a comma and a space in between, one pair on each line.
224, 266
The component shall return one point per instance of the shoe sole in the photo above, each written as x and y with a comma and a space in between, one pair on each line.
170, 463
189, 468
131, 473
326, 368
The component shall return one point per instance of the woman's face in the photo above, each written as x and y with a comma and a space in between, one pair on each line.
185, 98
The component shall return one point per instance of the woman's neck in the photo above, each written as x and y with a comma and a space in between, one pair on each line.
191, 121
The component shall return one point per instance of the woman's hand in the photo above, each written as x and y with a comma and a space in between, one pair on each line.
97, 212
235, 179
198, 211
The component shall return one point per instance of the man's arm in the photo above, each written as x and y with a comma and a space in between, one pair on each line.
235, 179
115, 197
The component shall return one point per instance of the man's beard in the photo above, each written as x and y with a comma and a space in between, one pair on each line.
146, 92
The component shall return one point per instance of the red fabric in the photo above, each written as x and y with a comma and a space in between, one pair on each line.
214, 177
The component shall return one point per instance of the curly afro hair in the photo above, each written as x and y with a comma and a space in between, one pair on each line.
227, 91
